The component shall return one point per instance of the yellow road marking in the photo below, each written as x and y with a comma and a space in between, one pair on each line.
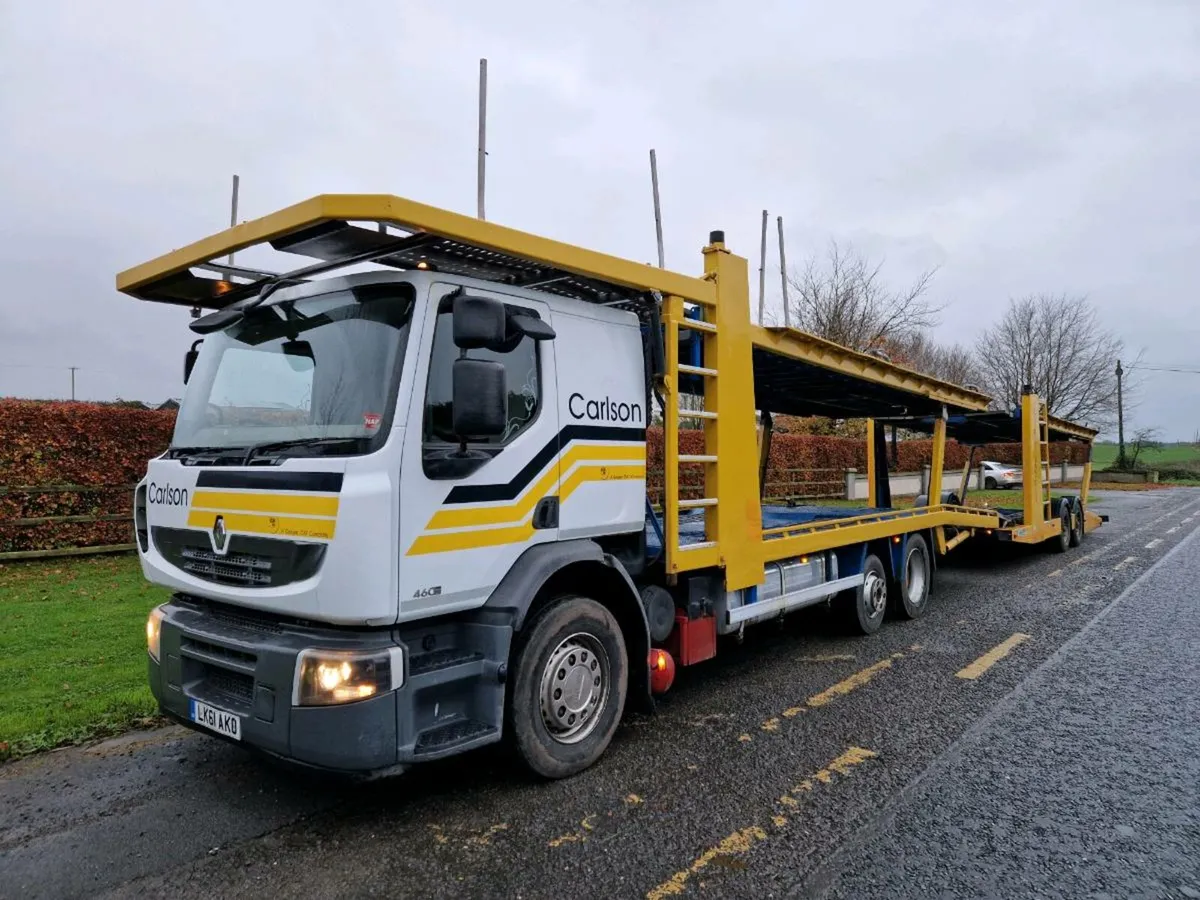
633, 800
827, 657
1154, 543
738, 842
743, 840
1055, 573
579, 835
1173, 529
993, 656
1123, 563
846, 685
770, 725
745, 738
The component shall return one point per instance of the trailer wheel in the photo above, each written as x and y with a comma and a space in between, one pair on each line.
1062, 540
863, 607
912, 594
1077, 522
568, 689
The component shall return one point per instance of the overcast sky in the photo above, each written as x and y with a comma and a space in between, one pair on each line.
1022, 147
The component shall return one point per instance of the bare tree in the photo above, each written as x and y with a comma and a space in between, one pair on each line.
1143, 439
843, 297
1057, 344
953, 363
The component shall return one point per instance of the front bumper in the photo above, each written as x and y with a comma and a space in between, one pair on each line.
451, 700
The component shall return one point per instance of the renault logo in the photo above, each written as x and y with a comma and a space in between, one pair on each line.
219, 535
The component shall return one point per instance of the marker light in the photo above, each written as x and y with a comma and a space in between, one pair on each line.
662, 671
327, 677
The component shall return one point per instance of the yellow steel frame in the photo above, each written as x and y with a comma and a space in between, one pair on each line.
733, 513
809, 348
418, 217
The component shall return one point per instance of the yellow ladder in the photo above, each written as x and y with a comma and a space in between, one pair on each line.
1044, 456
680, 557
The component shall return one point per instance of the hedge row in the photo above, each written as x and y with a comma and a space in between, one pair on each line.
95, 446
106, 448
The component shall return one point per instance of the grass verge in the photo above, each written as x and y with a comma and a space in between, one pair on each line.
73, 651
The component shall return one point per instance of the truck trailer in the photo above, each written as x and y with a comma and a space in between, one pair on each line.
404, 511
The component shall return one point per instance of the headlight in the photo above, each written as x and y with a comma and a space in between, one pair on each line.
325, 677
154, 631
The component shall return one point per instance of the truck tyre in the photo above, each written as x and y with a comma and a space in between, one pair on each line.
1060, 542
912, 588
863, 607
1077, 524
571, 672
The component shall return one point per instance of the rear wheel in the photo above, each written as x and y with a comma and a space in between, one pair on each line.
1076, 522
989, 484
568, 691
1061, 541
863, 607
915, 579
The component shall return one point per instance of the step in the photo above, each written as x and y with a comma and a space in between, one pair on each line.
452, 736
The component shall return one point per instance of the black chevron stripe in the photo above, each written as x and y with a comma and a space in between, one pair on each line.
490, 493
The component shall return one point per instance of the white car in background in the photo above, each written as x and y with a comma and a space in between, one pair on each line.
1000, 475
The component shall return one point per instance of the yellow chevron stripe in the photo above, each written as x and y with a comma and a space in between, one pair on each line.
284, 504
275, 526
515, 511
515, 534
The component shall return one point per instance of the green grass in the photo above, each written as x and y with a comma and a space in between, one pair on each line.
1104, 455
72, 651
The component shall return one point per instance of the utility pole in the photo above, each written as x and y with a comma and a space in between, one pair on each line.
73, 368
762, 270
233, 203
1120, 420
783, 276
662, 264
482, 161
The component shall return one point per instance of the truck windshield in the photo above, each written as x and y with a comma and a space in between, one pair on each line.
321, 368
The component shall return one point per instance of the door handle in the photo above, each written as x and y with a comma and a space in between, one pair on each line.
545, 514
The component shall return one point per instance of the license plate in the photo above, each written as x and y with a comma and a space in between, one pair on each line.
217, 720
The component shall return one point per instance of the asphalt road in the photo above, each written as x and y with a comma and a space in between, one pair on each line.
1033, 735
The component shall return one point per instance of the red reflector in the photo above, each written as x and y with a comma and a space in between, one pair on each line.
662, 671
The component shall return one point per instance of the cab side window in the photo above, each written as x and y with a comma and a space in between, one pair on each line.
524, 394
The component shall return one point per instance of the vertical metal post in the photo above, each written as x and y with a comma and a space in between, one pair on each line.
73, 368
872, 493
787, 323
233, 212
482, 162
762, 270
1120, 420
657, 208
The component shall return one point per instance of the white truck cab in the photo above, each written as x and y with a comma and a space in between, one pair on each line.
358, 466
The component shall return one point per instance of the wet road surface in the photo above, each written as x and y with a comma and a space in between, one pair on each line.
1009, 741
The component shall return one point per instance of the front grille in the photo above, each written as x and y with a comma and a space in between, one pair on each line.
245, 620
234, 568
232, 685
251, 561
216, 651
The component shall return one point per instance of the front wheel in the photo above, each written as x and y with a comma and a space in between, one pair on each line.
989, 484
568, 692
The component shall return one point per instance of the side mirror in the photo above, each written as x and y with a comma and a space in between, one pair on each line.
189, 360
532, 327
480, 389
479, 322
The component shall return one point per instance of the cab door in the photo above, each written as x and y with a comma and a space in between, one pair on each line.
467, 514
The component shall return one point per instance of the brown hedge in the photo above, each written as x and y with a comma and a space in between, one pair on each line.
99, 447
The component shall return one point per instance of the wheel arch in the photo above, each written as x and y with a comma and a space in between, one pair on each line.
580, 567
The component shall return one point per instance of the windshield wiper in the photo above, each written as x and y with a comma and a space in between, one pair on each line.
255, 450
179, 452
